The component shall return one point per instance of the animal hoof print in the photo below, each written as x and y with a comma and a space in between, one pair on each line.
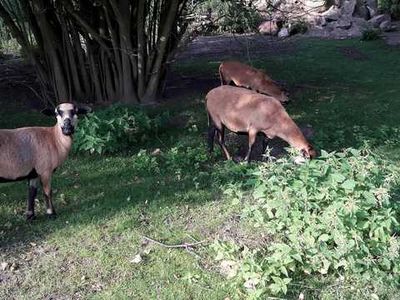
52, 216
30, 218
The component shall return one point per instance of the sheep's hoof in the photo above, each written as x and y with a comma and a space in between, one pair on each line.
30, 217
52, 216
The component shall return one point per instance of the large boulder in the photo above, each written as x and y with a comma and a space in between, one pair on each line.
332, 14
361, 10
372, 6
314, 6
361, 23
344, 23
377, 20
268, 27
283, 33
386, 26
348, 7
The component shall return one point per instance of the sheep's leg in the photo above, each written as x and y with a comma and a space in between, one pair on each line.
211, 134
252, 139
221, 141
33, 185
48, 196
265, 142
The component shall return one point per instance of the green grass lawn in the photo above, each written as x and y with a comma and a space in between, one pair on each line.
107, 204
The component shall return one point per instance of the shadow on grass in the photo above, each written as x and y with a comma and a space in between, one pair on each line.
93, 190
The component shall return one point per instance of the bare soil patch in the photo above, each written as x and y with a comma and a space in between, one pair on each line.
352, 53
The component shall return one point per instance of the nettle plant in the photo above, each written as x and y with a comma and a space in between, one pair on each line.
115, 129
333, 216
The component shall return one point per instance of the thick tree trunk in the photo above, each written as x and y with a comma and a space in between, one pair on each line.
109, 50
157, 70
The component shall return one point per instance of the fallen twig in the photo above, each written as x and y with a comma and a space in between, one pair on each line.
184, 245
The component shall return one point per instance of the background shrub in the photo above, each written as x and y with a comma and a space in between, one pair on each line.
390, 6
227, 16
371, 35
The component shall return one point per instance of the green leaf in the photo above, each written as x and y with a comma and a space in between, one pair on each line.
324, 237
337, 177
284, 271
349, 184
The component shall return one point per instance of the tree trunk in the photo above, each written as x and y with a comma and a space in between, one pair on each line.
109, 50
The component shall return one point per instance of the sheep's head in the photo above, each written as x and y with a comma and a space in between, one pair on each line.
309, 152
67, 116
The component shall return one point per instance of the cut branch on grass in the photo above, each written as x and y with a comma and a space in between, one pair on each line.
183, 245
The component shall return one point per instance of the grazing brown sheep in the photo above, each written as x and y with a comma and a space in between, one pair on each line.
34, 153
251, 78
242, 110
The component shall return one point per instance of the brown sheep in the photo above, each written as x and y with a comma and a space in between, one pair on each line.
242, 110
251, 78
34, 153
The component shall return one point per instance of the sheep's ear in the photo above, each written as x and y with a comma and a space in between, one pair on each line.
83, 110
48, 112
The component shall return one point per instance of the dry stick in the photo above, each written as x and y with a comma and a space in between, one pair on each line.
184, 245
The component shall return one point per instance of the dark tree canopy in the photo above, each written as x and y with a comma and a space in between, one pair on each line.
97, 50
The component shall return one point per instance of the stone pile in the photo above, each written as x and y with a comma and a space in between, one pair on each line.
343, 19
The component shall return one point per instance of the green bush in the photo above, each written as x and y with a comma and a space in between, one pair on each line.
332, 217
8, 45
229, 16
115, 129
371, 35
299, 26
390, 6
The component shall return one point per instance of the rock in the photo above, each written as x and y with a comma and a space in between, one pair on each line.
314, 5
348, 7
354, 31
377, 20
373, 4
229, 268
361, 10
386, 26
320, 21
268, 27
361, 23
137, 259
283, 33
156, 151
332, 14
343, 23
4, 266
372, 12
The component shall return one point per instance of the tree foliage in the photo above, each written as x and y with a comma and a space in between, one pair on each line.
97, 50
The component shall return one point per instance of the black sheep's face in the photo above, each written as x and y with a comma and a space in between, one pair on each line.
67, 117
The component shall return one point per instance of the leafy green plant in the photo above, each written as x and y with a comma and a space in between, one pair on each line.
114, 129
8, 44
230, 16
298, 26
390, 6
371, 35
333, 216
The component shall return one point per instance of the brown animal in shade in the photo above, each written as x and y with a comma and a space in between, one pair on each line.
245, 76
245, 111
34, 153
